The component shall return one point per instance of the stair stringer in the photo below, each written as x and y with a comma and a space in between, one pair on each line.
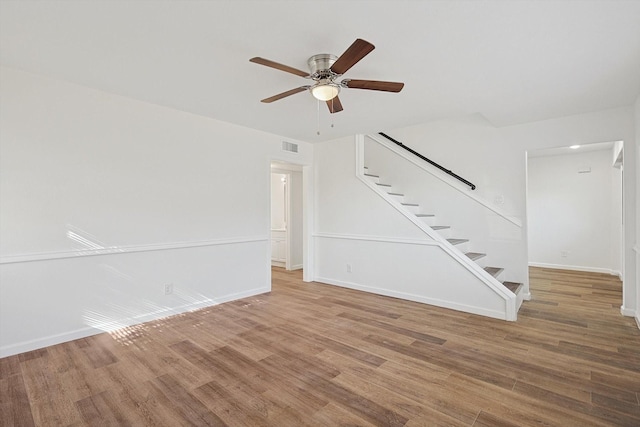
485, 278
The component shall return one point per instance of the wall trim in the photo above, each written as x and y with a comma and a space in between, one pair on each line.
24, 346
394, 148
114, 250
417, 298
575, 268
383, 239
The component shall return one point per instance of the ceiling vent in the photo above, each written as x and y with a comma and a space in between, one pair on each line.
289, 146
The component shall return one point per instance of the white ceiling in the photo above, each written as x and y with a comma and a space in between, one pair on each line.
511, 61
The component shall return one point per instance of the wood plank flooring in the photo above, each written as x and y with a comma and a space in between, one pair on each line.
309, 354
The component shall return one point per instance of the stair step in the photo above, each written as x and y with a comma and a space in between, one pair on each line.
410, 204
513, 286
440, 227
475, 255
371, 175
395, 194
425, 215
383, 185
494, 271
457, 241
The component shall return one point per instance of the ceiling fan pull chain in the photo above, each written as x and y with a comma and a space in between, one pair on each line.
332, 109
318, 116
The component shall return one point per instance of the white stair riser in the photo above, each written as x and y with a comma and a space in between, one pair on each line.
412, 209
373, 178
429, 220
397, 198
444, 232
462, 247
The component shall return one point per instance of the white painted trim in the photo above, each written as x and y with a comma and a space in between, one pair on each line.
628, 311
383, 239
575, 268
638, 321
29, 345
296, 267
115, 250
394, 148
412, 297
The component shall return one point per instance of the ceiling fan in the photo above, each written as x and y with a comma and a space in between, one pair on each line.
325, 69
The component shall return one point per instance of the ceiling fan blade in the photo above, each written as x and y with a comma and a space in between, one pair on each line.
278, 66
373, 85
335, 106
285, 94
358, 50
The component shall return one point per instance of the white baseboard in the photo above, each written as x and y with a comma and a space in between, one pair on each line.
417, 298
575, 268
638, 321
627, 311
24, 346
296, 267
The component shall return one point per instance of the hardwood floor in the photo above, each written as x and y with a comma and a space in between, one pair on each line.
318, 355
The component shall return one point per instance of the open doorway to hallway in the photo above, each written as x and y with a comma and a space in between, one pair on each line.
574, 208
287, 231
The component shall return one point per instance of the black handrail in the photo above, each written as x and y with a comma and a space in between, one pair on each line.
431, 162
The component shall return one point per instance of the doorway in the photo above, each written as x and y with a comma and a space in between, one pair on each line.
287, 228
575, 208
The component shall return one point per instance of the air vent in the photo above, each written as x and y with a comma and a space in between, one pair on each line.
289, 146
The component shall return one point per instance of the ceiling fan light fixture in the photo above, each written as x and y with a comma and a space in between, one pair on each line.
324, 91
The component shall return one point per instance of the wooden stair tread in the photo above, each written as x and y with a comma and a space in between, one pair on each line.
440, 227
382, 185
425, 215
395, 194
475, 255
494, 271
457, 241
513, 286
409, 204
371, 175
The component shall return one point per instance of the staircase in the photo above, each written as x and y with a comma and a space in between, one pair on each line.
445, 234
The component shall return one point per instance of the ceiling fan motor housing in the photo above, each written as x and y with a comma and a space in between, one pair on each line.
319, 66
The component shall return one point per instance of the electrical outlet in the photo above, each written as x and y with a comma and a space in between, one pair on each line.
348, 268
168, 289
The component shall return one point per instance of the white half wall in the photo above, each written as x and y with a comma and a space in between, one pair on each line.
415, 270
105, 200
574, 213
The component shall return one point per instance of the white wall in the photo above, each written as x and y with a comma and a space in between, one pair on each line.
574, 216
106, 199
